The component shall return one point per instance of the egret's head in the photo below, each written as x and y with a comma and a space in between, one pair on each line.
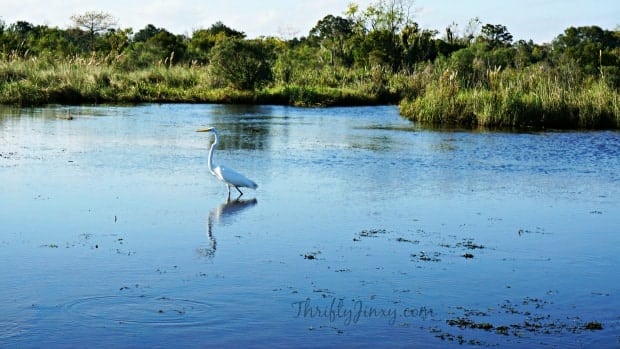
208, 129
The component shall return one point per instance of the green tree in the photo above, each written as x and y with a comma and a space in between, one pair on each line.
462, 62
528, 53
591, 47
418, 45
16, 38
51, 42
118, 40
495, 35
378, 29
220, 28
381, 50
170, 46
22, 28
156, 46
146, 33
79, 41
332, 34
203, 40
293, 63
242, 64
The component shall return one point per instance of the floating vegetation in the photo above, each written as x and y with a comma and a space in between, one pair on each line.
465, 244
87, 240
343, 270
458, 338
536, 231
528, 317
469, 244
371, 233
311, 255
424, 257
7, 155
400, 239
594, 325
518, 319
468, 323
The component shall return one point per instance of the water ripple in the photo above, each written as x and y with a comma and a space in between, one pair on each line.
144, 310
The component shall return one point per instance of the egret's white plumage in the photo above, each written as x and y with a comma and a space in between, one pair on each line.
227, 175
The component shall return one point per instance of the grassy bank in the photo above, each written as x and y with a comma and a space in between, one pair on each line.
535, 97
31, 82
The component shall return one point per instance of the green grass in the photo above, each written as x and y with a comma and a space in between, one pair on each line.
29, 82
536, 97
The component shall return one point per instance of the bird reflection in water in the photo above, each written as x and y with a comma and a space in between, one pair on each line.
222, 215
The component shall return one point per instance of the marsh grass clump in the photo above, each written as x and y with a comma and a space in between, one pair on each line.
468, 323
593, 325
427, 257
469, 244
311, 255
371, 232
534, 97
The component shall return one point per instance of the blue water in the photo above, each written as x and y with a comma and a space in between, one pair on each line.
115, 234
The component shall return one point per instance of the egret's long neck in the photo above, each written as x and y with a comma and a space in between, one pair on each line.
210, 158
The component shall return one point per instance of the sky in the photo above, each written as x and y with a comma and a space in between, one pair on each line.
537, 20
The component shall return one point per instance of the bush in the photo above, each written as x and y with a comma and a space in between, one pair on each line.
241, 64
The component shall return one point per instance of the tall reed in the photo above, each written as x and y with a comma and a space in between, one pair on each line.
537, 96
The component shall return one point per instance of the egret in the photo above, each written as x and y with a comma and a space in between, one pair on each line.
227, 175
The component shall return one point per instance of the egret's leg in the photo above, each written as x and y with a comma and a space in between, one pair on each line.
239, 190
228, 186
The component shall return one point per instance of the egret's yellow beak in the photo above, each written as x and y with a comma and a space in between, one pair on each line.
209, 129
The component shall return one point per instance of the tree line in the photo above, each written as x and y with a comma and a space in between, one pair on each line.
379, 51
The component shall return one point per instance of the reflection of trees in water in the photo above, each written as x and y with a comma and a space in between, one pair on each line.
221, 215
241, 110
245, 127
8, 111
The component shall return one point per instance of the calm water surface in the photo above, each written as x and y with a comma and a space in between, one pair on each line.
365, 231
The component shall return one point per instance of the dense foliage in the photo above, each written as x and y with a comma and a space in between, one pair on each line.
474, 76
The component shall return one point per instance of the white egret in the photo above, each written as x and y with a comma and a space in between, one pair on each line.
227, 175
